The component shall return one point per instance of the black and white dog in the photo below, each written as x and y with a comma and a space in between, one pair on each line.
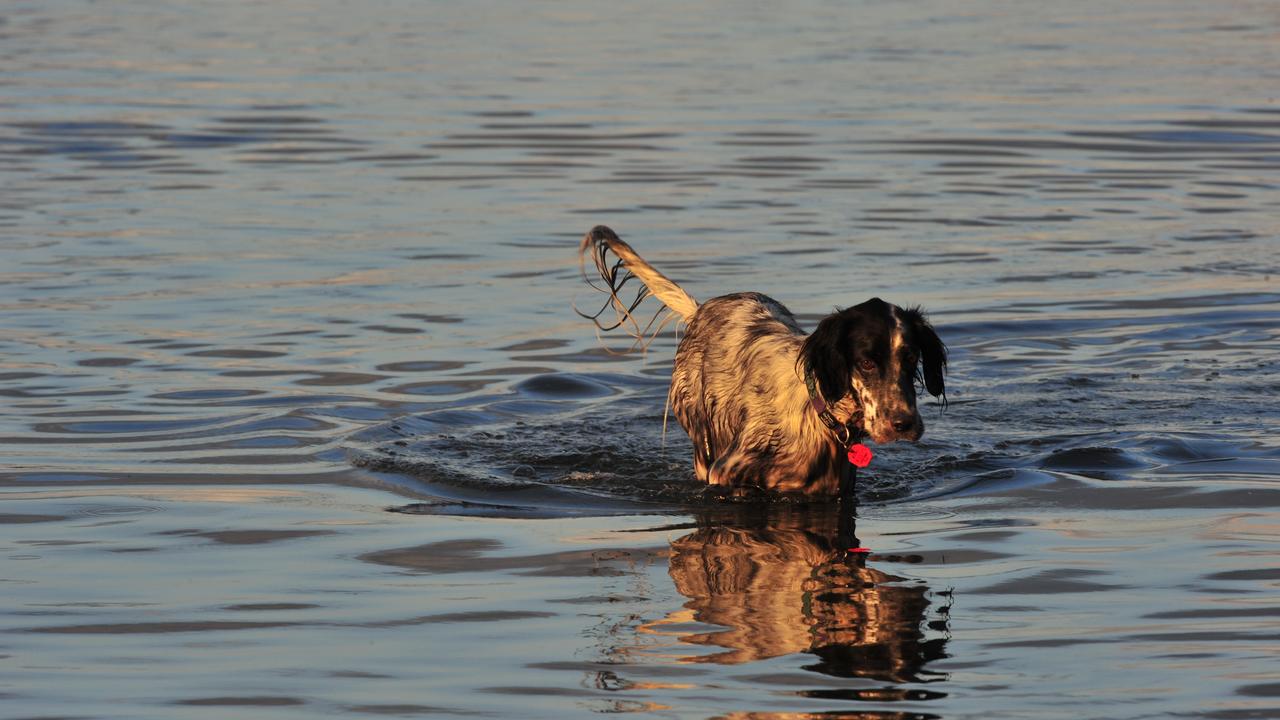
765, 405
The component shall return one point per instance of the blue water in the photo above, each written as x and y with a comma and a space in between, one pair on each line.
298, 417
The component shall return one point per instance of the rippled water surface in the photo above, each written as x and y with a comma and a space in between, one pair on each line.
271, 270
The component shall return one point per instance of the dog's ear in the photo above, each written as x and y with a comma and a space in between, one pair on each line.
826, 354
933, 353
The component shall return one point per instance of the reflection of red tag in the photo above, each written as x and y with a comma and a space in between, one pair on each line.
859, 455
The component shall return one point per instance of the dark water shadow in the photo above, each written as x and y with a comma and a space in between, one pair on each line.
517, 455
553, 445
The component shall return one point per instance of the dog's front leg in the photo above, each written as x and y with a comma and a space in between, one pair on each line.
729, 468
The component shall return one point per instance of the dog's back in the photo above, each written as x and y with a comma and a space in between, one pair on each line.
736, 390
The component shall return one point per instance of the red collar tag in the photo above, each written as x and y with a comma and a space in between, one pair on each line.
860, 455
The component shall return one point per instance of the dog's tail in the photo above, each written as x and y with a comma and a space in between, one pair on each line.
598, 243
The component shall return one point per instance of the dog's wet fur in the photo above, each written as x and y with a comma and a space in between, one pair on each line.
738, 387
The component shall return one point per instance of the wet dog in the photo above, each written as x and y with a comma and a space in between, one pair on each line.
764, 404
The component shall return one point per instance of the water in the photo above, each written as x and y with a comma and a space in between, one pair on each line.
272, 270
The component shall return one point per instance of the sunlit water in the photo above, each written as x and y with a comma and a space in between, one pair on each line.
271, 270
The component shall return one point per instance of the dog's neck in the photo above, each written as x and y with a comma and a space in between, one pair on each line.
846, 431
805, 438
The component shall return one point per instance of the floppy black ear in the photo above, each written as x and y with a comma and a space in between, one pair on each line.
933, 353
826, 354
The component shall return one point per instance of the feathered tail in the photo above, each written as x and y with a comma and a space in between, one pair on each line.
599, 242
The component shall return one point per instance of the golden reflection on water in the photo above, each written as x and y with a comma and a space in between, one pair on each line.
786, 584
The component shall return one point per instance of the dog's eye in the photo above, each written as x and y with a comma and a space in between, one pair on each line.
866, 365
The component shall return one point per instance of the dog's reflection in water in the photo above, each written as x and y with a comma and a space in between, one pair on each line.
785, 583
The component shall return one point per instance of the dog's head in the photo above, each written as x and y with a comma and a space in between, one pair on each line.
878, 352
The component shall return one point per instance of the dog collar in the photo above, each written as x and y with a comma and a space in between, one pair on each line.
846, 433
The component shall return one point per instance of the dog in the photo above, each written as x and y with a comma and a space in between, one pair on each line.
765, 405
